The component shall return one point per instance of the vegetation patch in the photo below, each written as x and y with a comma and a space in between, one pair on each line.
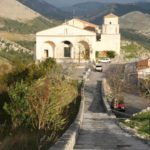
27, 44
37, 106
140, 123
133, 50
31, 26
131, 35
15, 56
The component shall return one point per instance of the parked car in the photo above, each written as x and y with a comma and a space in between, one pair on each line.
120, 106
98, 68
104, 60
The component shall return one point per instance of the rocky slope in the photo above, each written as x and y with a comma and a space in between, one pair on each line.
16, 11
9, 45
137, 21
20, 23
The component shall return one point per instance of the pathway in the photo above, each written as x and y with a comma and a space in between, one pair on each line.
98, 130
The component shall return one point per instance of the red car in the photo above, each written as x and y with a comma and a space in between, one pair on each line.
120, 106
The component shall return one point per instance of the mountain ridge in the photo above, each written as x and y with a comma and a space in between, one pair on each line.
45, 9
117, 9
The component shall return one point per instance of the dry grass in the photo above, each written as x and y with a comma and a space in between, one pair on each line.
17, 37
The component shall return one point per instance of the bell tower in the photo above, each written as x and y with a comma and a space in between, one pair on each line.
110, 36
111, 25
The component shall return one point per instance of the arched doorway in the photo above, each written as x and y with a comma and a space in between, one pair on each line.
67, 49
64, 49
84, 50
48, 49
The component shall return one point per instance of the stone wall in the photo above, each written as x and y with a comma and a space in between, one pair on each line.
68, 139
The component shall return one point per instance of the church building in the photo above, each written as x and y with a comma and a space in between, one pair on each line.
77, 40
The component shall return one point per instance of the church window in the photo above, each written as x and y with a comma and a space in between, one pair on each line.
110, 22
67, 52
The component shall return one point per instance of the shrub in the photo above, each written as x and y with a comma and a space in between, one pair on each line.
31, 72
40, 106
111, 54
96, 54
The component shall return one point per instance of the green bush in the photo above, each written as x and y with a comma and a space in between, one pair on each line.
18, 107
27, 44
111, 54
14, 56
96, 54
40, 106
31, 72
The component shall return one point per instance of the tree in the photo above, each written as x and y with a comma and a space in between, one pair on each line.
116, 79
145, 89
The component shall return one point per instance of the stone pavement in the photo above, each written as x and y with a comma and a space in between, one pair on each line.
98, 130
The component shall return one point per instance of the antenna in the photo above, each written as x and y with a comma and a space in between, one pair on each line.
73, 13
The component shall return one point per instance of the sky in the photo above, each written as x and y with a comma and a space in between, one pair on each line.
62, 3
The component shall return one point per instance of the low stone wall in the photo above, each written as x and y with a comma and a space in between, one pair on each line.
132, 132
105, 102
68, 139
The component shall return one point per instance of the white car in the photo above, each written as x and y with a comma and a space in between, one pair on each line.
104, 60
98, 68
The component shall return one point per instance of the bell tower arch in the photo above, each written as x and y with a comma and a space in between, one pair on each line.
111, 24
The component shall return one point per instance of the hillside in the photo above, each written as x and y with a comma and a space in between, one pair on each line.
21, 23
45, 9
10, 52
145, 5
117, 9
136, 21
82, 9
16, 11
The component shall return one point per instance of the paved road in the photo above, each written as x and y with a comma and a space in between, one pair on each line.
99, 131
134, 103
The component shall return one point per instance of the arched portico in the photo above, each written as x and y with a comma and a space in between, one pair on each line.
48, 49
65, 49
84, 50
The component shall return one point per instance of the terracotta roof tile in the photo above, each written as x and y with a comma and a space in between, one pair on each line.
110, 16
88, 23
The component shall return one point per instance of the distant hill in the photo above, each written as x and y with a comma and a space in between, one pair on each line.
137, 21
20, 23
44, 8
82, 9
145, 5
117, 9
16, 11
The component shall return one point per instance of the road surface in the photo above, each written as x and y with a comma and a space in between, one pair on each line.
98, 130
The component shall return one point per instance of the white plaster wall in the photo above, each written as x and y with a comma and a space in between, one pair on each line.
108, 42
112, 20
58, 41
110, 29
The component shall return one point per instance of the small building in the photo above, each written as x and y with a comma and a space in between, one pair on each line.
77, 40
143, 68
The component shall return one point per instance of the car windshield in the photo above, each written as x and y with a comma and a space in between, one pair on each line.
98, 66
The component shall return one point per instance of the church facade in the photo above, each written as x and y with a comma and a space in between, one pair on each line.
78, 40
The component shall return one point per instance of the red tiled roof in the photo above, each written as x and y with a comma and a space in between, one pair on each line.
88, 23
110, 16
